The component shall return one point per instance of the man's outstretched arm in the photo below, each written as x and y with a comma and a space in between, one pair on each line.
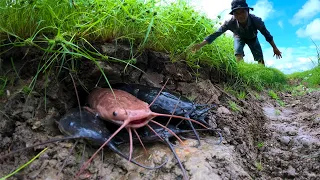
269, 38
209, 39
275, 50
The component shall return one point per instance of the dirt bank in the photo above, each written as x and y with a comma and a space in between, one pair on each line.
258, 141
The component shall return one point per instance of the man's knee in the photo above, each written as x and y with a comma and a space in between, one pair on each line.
238, 48
261, 62
239, 57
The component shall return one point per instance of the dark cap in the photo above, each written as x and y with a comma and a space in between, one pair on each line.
239, 4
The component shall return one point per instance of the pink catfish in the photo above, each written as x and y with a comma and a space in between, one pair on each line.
125, 110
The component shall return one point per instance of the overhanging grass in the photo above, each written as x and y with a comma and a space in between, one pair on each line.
62, 30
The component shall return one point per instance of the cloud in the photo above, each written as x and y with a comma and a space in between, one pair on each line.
263, 8
312, 30
280, 23
213, 8
310, 9
294, 59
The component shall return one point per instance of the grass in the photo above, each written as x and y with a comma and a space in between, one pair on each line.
273, 95
259, 166
65, 32
242, 95
281, 103
300, 90
3, 84
309, 78
260, 145
257, 95
23, 166
234, 107
260, 77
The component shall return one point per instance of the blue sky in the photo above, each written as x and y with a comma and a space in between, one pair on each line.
292, 23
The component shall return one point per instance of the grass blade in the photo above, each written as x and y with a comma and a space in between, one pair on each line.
23, 166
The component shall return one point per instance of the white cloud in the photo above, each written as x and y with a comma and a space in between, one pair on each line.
263, 9
303, 59
312, 30
310, 9
280, 23
213, 8
293, 59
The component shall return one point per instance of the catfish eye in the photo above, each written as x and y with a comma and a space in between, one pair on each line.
115, 113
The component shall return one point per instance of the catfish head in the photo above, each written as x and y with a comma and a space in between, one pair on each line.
119, 107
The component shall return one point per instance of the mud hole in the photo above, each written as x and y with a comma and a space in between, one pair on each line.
260, 141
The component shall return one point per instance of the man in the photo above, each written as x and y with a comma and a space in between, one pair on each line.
244, 27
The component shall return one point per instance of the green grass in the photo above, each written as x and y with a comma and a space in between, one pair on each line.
297, 90
65, 32
281, 103
24, 165
234, 107
309, 78
260, 77
260, 145
259, 166
273, 95
242, 95
257, 95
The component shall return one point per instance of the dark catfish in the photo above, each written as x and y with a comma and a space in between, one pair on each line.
168, 102
85, 125
93, 129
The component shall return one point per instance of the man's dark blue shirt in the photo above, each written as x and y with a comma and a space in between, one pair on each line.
248, 32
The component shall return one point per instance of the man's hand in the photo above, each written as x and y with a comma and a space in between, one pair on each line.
277, 53
196, 47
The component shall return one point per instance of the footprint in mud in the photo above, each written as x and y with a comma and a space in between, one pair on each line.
293, 147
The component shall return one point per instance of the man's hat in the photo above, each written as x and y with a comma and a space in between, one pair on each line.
239, 4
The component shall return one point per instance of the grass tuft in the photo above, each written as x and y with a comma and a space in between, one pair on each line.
309, 78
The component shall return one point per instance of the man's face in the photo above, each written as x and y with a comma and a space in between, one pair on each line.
241, 15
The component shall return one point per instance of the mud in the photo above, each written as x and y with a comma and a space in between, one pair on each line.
262, 140
293, 143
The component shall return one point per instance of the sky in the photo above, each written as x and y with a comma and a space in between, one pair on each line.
294, 25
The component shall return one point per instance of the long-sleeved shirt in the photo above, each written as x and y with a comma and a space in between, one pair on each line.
248, 32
